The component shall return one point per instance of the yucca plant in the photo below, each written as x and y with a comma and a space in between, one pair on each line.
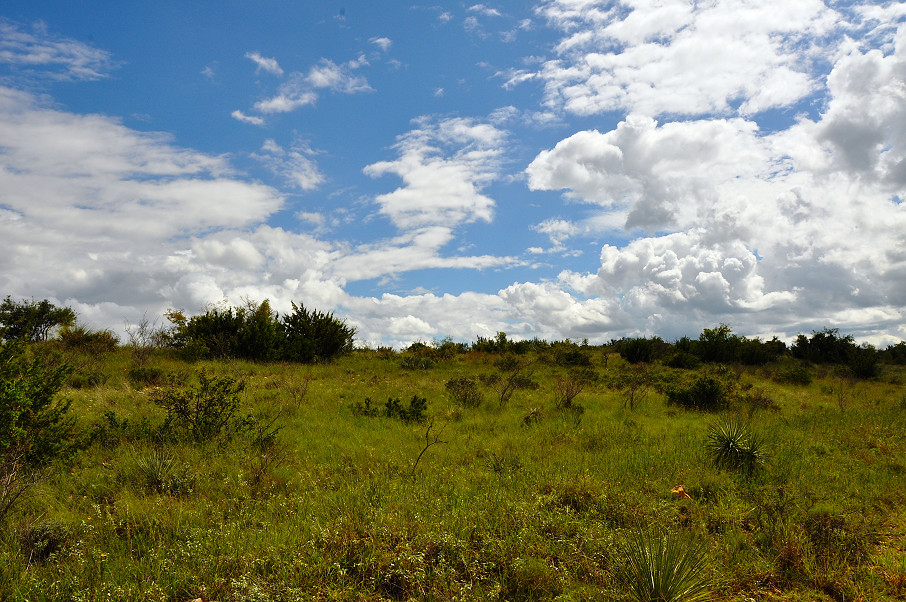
666, 568
732, 446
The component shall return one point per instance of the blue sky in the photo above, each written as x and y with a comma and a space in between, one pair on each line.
561, 169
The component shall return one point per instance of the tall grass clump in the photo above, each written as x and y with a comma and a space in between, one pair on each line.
666, 567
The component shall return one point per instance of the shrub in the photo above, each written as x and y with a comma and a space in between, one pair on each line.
707, 392
465, 392
313, 336
668, 568
35, 428
38, 541
414, 412
732, 446
569, 386
416, 362
514, 374
146, 376
640, 350
683, 360
794, 375
205, 411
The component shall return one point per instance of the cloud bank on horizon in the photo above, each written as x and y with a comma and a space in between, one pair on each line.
573, 169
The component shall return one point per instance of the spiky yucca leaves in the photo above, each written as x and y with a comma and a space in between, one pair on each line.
732, 446
666, 568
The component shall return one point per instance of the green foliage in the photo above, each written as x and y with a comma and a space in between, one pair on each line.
31, 321
257, 333
314, 336
38, 541
711, 392
794, 374
570, 385
34, 422
666, 568
640, 350
732, 446
393, 408
35, 428
824, 347
513, 374
89, 341
203, 412
146, 376
465, 391
633, 381
159, 471
416, 362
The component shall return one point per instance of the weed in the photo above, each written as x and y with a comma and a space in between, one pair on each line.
666, 567
732, 446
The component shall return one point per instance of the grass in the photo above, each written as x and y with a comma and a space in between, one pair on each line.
504, 509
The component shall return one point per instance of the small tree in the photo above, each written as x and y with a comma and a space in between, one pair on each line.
32, 321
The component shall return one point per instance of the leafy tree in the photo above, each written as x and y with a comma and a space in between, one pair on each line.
32, 321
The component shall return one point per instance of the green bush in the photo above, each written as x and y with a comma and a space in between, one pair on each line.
414, 412
205, 411
707, 392
794, 375
314, 336
35, 426
146, 376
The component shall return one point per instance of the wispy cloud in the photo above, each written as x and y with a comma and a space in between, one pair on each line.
383, 43
43, 54
269, 65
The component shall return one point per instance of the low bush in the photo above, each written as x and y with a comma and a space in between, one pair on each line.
203, 412
393, 408
465, 392
146, 376
706, 392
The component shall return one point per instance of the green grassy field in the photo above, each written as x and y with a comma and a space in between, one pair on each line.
315, 499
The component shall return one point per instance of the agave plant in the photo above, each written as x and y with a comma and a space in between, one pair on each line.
733, 446
666, 568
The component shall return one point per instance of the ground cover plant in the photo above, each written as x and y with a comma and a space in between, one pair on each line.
241, 480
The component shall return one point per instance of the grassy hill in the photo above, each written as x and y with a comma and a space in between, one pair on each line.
531, 477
